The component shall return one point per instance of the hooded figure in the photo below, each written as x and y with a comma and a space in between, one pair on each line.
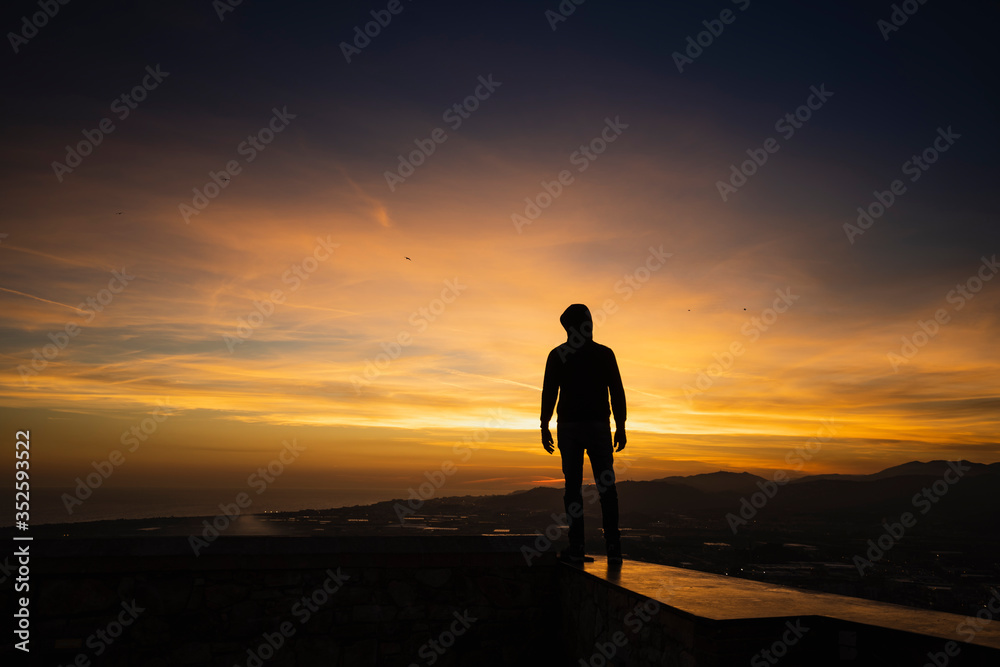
578, 323
583, 376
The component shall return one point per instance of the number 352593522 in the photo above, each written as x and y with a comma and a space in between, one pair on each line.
23, 454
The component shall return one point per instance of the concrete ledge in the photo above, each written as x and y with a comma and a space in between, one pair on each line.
705, 619
402, 592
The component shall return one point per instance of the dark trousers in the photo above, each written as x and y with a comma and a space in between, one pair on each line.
573, 438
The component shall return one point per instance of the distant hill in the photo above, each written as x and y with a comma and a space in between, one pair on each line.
744, 482
970, 503
713, 482
912, 469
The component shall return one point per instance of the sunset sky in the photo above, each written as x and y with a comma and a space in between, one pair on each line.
313, 231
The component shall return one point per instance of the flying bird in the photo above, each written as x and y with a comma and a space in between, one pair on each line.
408, 258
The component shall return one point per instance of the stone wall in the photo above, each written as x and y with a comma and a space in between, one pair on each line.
360, 601
429, 600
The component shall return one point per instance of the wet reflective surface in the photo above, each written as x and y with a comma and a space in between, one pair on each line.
719, 597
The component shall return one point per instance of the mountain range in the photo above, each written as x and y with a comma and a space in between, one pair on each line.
965, 497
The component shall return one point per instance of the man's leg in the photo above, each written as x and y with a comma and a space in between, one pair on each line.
600, 450
571, 449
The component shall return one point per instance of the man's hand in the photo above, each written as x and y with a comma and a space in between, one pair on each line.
620, 439
547, 441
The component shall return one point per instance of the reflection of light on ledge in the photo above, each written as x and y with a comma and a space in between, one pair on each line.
718, 598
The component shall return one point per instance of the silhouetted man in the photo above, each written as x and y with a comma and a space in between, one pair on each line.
583, 374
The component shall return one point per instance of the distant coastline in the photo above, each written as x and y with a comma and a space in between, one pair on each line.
112, 504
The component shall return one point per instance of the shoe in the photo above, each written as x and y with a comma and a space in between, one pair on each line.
614, 554
574, 554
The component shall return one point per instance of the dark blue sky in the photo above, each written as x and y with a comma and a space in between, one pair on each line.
657, 185
937, 69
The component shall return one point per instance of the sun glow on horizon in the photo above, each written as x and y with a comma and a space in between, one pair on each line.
394, 325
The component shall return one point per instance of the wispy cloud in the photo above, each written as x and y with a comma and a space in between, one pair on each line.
38, 298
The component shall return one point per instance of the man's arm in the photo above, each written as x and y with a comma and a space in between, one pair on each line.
617, 392
550, 391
